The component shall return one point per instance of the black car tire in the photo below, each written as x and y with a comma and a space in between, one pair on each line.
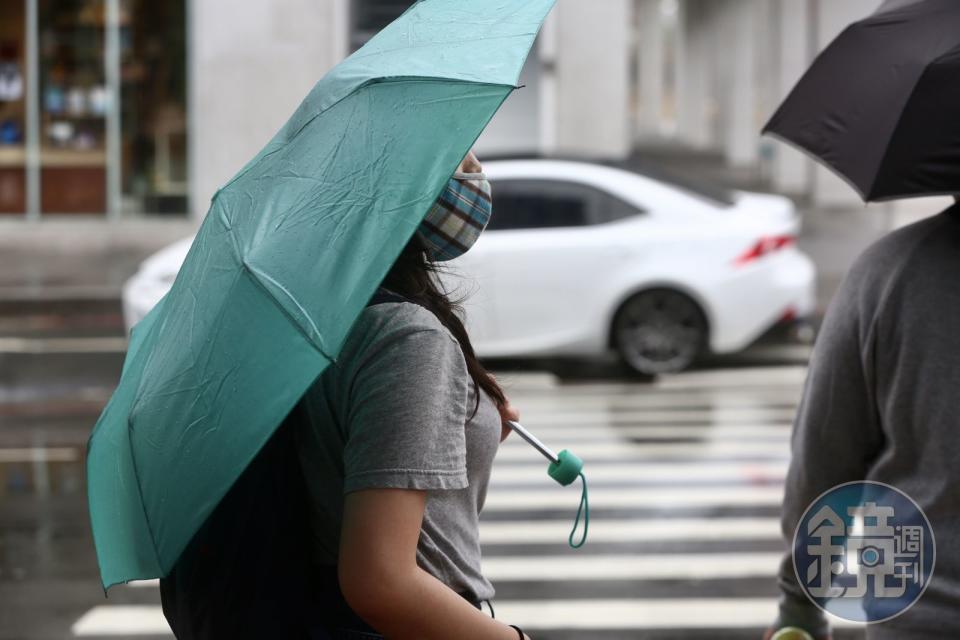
659, 331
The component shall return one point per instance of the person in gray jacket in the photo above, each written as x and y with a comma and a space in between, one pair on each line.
882, 403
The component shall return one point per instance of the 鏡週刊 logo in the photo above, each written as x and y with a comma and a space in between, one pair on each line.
864, 551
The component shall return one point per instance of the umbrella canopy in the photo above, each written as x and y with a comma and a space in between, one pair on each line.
879, 106
289, 253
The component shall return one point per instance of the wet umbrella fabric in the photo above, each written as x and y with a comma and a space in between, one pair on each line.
289, 253
879, 105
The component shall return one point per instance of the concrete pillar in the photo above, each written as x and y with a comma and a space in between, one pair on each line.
549, 86
692, 82
593, 116
650, 69
791, 170
740, 95
247, 76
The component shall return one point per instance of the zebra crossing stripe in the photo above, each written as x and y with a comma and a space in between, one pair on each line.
505, 476
519, 450
659, 566
740, 379
673, 529
122, 620
592, 614
633, 497
705, 417
646, 400
654, 613
602, 432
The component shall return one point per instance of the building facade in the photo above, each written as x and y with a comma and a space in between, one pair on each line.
251, 71
200, 87
93, 108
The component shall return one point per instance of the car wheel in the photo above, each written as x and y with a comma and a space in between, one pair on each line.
659, 331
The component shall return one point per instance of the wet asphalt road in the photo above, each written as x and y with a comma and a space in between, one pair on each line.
686, 475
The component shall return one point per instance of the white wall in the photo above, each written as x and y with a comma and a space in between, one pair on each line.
251, 63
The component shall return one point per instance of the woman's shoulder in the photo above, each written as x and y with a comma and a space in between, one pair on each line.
394, 324
403, 315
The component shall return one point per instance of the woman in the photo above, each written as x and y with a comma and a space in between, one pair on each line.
397, 449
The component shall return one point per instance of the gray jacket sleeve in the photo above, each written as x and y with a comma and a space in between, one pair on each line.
837, 433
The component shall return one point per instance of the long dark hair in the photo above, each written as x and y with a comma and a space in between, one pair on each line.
414, 276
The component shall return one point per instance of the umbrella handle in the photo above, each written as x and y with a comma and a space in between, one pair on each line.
564, 468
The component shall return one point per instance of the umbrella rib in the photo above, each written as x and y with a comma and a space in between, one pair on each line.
317, 342
143, 509
903, 111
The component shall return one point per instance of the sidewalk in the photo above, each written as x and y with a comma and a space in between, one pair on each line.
78, 258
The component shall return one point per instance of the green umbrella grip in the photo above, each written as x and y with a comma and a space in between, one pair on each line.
564, 468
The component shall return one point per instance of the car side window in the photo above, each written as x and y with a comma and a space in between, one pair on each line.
611, 208
540, 204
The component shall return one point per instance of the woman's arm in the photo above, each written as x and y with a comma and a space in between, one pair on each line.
382, 582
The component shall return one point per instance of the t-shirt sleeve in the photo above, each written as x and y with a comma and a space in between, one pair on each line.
406, 413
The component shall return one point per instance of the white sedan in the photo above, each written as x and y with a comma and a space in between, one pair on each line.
580, 259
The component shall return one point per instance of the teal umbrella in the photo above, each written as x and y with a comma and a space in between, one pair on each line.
289, 253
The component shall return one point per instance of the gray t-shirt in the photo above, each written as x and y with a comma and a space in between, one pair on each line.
393, 412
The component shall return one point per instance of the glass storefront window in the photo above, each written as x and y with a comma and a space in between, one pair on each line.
104, 131
153, 116
13, 81
74, 102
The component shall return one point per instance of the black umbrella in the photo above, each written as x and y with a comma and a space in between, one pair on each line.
881, 104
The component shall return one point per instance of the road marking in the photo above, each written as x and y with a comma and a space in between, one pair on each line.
106, 344
733, 380
605, 432
520, 450
122, 620
507, 474
654, 613
139, 584
636, 498
673, 529
659, 566
635, 416
738, 378
38, 454
641, 399
593, 614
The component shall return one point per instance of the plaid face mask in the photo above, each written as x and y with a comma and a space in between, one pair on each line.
456, 219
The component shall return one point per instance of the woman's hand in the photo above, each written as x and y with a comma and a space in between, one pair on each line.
507, 412
470, 164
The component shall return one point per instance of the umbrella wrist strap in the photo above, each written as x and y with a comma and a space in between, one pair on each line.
584, 511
